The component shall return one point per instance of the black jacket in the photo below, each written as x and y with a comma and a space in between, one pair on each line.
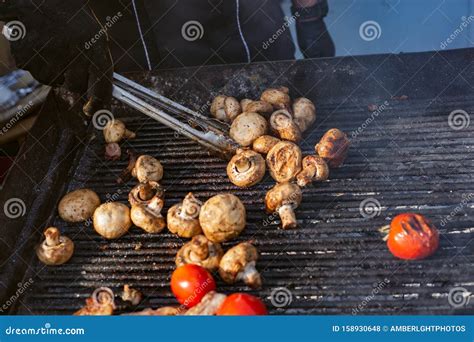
177, 33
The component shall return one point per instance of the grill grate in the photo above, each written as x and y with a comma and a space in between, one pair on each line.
408, 159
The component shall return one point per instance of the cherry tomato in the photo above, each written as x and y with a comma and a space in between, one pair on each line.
412, 237
190, 283
242, 304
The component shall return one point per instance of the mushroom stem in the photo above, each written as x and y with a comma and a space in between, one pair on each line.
306, 176
199, 249
287, 215
129, 134
242, 165
250, 276
146, 192
52, 237
155, 205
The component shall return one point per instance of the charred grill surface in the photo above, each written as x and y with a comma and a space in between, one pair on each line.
406, 158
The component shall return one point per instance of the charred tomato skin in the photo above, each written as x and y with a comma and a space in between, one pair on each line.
412, 237
242, 304
190, 283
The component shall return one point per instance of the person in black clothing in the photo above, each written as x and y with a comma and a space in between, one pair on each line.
78, 44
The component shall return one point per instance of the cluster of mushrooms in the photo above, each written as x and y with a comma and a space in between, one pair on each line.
273, 126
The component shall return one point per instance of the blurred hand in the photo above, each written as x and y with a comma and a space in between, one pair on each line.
313, 37
62, 44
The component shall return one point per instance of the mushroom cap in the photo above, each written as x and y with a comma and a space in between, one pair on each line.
246, 168
147, 168
217, 108
56, 254
260, 107
222, 217
277, 97
112, 220
284, 161
149, 189
235, 260
185, 223
304, 112
314, 169
200, 251
247, 127
225, 108
283, 194
333, 147
283, 124
150, 221
232, 108
114, 131
208, 305
78, 205
264, 144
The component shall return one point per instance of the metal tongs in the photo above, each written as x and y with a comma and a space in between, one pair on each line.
208, 132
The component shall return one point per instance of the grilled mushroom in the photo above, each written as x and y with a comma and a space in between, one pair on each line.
112, 220
246, 168
265, 143
101, 303
282, 124
200, 251
260, 107
163, 311
225, 108
55, 249
183, 218
131, 295
115, 131
315, 169
222, 217
284, 198
78, 205
304, 112
147, 200
147, 168
333, 147
208, 305
284, 161
277, 97
238, 263
247, 127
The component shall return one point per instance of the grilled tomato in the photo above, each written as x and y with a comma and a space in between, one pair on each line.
412, 237
189, 283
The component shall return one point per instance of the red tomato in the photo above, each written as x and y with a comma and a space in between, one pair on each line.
412, 237
190, 283
242, 304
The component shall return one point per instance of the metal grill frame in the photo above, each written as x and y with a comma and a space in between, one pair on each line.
51, 157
